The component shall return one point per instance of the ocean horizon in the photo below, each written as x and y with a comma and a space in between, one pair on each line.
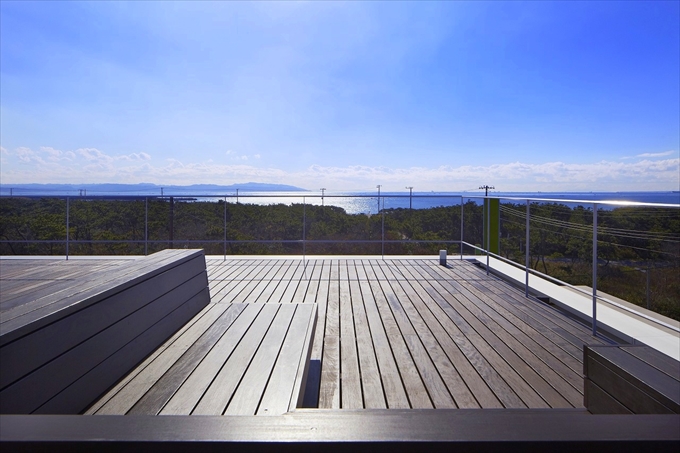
367, 202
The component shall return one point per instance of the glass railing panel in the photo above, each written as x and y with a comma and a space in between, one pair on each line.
473, 225
639, 257
561, 241
198, 223
512, 237
272, 229
106, 226
32, 226
342, 225
431, 225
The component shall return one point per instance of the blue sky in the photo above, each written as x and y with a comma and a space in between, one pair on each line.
526, 96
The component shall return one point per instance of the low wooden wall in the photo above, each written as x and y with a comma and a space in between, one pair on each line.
630, 380
65, 350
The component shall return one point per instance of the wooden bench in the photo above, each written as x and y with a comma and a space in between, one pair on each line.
231, 359
630, 380
65, 341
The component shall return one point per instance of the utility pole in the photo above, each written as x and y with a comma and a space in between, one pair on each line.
486, 188
236, 196
161, 191
10, 191
410, 197
379, 186
323, 189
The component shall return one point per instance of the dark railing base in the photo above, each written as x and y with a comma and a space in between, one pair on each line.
367, 430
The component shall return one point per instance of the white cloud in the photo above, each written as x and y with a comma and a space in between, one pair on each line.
134, 157
667, 153
24, 165
647, 155
56, 155
28, 156
93, 154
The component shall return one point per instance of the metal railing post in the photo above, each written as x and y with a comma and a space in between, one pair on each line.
526, 252
304, 230
146, 226
594, 269
383, 226
225, 228
68, 208
461, 227
647, 292
487, 214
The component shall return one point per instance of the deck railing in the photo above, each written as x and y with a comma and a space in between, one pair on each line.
564, 236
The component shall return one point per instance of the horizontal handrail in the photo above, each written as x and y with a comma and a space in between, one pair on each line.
180, 197
576, 288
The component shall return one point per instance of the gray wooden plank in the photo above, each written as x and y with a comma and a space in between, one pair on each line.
485, 359
371, 386
188, 395
246, 398
216, 398
308, 313
320, 296
469, 377
329, 391
656, 359
127, 392
559, 391
482, 379
441, 398
155, 398
283, 388
413, 384
395, 394
351, 393
448, 370
515, 370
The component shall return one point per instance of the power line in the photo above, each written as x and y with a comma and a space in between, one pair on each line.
486, 188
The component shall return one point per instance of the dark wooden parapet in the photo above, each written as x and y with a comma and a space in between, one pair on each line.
473, 430
630, 380
61, 350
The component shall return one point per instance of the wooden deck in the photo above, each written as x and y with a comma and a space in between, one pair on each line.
413, 334
390, 334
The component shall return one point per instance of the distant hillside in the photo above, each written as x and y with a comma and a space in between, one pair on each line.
141, 189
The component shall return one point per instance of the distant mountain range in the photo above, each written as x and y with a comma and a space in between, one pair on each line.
141, 189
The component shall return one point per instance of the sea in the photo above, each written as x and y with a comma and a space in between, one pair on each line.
370, 203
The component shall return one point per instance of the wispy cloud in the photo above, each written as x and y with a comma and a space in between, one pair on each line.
667, 153
650, 155
24, 165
